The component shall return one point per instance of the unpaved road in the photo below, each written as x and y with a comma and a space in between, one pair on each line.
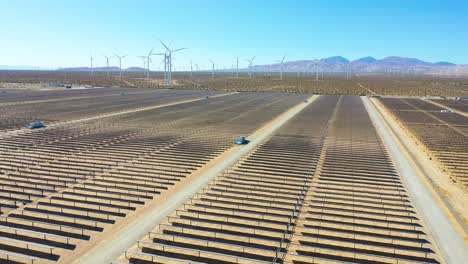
447, 237
369, 90
112, 247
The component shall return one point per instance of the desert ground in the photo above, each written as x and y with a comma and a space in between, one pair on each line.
324, 83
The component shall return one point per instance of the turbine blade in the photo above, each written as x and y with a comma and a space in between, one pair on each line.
164, 45
151, 51
178, 49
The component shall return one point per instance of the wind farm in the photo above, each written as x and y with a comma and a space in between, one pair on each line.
392, 75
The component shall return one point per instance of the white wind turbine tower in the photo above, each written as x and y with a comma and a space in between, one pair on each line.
212, 68
237, 67
107, 64
120, 63
168, 59
282, 66
348, 70
250, 66
148, 60
317, 61
165, 66
91, 64
191, 69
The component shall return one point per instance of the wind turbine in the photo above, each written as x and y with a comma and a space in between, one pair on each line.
282, 66
148, 61
250, 66
120, 63
348, 70
168, 59
91, 64
107, 63
212, 68
191, 69
165, 66
317, 61
237, 67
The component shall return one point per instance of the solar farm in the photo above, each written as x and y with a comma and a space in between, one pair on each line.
139, 175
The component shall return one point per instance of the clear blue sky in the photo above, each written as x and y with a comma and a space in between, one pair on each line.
64, 33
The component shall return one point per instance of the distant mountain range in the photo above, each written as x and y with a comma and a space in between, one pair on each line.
365, 64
